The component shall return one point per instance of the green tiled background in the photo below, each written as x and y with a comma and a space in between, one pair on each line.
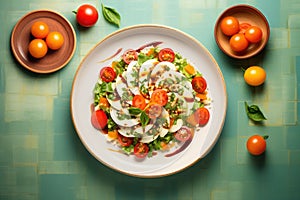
41, 156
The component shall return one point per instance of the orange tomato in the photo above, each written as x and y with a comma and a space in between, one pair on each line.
230, 25
253, 34
238, 42
39, 29
160, 97
38, 48
256, 144
55, 40
255, 75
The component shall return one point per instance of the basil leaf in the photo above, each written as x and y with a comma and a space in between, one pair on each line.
254, 113
144, 119
134, 111
111, 15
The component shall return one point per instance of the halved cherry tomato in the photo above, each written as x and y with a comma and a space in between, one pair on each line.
86, 15
199, 84
160, 97
124, 141
243, 27
141, 150
238, 42
129, 55
183, 134
256, 144
107, 74
139, 101
229, 25
153, 110
99, 119
202, 116
166, 54
253, 34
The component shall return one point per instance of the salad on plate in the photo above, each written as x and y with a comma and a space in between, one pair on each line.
150, 100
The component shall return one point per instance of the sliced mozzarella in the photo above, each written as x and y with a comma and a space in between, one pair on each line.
122, 89
172, 77
123, 118
144, 73
132, 77
176, 126
136, 131
114, 100
163, 132
149, 138
159, 69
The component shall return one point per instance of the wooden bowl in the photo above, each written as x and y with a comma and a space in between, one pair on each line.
245, 14
54, 59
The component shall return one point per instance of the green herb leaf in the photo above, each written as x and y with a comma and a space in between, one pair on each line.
134, 111
144, 119
254, 113
111, 15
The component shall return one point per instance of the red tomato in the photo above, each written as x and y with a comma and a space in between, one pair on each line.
183, 134
230, 25
256, 144
139, 101
124, 141
99, 119
160, 97
86, 15
166, 54
107, 74
153, 110
253, 34
199, 84
130, 55
141, 150
238, 42
202, 116
244, 27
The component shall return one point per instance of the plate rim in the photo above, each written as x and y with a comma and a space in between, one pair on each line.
54, 69
141, 175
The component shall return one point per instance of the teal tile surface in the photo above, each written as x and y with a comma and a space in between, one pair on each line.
41, 156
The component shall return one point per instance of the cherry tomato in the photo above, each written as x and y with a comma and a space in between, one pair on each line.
153, 110
107, 74
202, 116
256, 144
124, 141
141, 150
199, 84
160, 97
230, 25
238, 42
99, 119
139, 101
86, 15
166, 54
39, 29
244, 27
38, 48
183, 134
255, 75
55, 40
253, 34
129, 55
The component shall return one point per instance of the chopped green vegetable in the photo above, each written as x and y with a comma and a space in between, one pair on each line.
111, 15
254, 113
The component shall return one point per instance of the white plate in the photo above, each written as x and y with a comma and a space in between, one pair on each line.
132, 38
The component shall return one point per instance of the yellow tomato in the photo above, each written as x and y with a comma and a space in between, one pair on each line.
55, 40
39, 30
38, 48
255, 75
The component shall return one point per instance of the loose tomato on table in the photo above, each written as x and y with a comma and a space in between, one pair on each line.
253, 34
230, 25
139, 101
124, 141
255, 75
199, 84
256, 144
129, 55
107, 74
160, 97
183, 134
238, 42
141, 150
86, 15
166, 54
99, 119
